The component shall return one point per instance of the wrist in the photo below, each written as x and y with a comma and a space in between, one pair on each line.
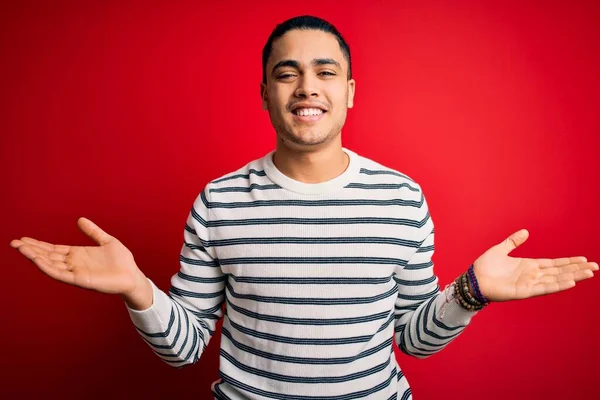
471, 289
141, 297
466, 292
474, 288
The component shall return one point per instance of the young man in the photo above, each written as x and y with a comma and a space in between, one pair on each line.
322, 257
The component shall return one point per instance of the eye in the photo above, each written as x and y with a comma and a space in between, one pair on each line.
285, 76
327, 73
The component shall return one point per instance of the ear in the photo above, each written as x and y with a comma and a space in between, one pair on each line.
263, 96
351, 89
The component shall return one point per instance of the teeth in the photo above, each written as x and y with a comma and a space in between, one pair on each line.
305, 112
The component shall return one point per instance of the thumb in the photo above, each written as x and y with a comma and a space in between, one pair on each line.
514, 241
93, 231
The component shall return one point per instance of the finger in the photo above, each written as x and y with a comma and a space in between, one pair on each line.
559, 262
548, 288
53, 272
93, 231
17, 243
28, 252
47, 246
34, 242
569, 268
31, 251
568, 276
57, 257
61, 265
581, 275
514, 240
54, 259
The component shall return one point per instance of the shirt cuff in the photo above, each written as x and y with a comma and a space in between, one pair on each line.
152, 319
449, 310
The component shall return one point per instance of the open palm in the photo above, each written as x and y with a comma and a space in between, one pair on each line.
503, 278
107, 268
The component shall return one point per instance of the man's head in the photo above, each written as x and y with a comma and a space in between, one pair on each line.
307, 81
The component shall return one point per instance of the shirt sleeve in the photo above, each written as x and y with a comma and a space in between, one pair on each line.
427, 319
179, 325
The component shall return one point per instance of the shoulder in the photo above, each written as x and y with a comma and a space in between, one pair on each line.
374, 173
239, 182
241, 175
402, 188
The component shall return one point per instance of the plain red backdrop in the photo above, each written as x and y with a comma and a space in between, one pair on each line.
123, 111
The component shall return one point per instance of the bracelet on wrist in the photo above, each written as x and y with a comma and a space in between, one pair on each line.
463, 295
473, 281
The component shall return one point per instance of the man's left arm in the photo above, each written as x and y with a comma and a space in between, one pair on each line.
427, 319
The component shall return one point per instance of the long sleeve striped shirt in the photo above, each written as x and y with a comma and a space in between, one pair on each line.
313, 281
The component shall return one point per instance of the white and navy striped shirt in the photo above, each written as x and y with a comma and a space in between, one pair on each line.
317, 280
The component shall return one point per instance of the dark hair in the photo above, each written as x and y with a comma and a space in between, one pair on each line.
304, 22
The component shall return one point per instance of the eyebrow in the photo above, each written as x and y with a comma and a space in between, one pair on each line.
315, 62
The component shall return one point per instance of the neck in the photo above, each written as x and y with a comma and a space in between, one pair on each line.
311, 166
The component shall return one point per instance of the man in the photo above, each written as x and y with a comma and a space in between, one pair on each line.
322, 257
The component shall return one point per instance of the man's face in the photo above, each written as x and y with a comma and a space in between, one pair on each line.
307, 91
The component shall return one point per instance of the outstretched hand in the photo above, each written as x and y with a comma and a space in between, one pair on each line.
107, 268
503, 278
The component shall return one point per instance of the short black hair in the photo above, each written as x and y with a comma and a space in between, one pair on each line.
304, 22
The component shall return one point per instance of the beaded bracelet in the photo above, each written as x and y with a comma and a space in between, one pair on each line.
473, 280
458, 295
466, 292
463, 296
466, 305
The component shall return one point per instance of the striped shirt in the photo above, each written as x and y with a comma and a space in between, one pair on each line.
316, 280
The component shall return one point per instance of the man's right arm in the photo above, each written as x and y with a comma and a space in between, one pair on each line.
178, 326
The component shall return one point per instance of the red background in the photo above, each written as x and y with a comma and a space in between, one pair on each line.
122, 111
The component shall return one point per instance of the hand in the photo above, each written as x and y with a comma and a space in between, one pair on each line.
107, 268
503, 278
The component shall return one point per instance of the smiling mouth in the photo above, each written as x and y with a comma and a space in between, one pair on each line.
308, 112
304, 117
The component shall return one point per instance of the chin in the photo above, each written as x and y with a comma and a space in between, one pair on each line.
305, 139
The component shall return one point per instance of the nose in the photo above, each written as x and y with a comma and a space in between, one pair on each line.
307, 87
